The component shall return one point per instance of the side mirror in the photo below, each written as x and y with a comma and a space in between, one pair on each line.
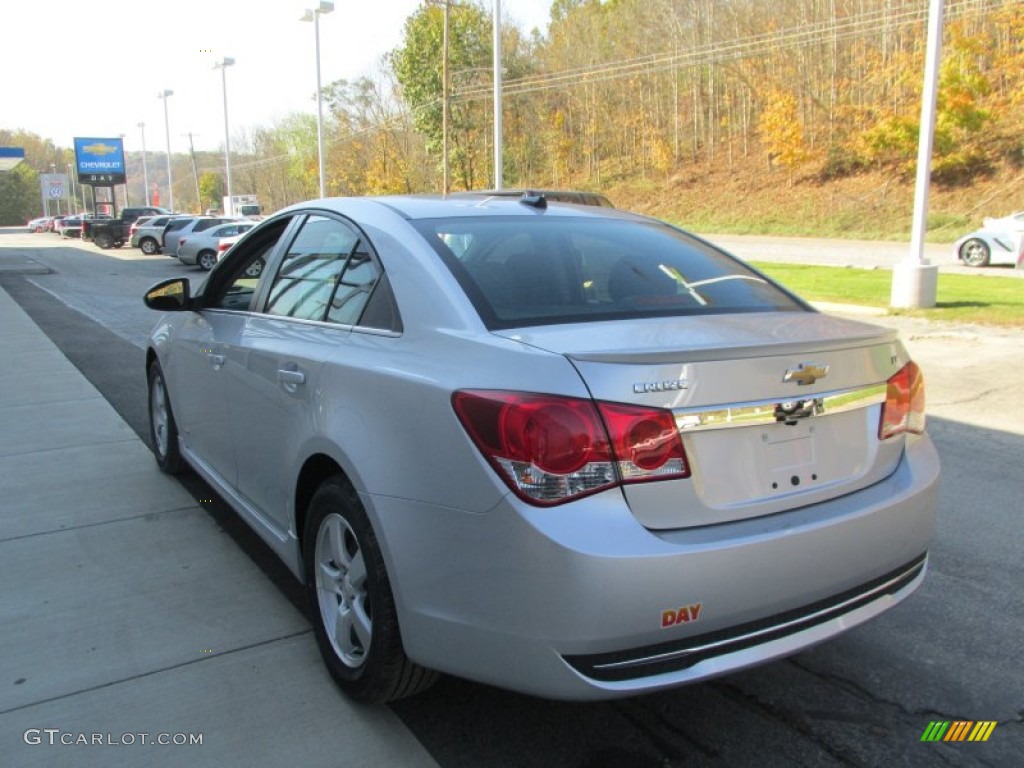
169, 296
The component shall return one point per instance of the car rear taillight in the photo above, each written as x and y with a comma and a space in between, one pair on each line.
550, 449
645, 442
903, 410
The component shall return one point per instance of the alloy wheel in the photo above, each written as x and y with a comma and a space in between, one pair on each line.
342, 590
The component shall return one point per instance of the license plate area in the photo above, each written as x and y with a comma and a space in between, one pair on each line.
789, 456
765, 463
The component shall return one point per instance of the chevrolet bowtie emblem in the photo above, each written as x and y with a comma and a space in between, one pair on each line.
99, 148
806, 374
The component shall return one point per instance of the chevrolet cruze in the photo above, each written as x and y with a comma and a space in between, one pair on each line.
561, 449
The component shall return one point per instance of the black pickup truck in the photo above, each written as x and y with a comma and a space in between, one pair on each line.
113, 233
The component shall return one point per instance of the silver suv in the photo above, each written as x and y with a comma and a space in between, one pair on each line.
149, 235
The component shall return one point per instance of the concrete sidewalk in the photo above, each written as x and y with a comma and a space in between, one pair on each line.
127, 617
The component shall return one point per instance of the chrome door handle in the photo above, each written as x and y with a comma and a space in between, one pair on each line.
294, 378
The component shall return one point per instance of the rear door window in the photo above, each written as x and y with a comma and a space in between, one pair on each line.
174, 225
204, 224
326, 274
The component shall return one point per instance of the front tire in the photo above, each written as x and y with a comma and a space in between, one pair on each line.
975, 253
163, 431
355, 621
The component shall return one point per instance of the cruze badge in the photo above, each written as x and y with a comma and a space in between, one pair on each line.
644, 387
806, 374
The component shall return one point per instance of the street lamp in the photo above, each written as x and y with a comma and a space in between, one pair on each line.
145, 167
223, 65
314, 16
167, 129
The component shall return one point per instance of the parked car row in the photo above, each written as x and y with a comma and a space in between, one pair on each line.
67, 225
71, 226
191, 239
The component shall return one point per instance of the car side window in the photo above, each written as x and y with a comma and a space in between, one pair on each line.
355, 285
235, 282
311, 277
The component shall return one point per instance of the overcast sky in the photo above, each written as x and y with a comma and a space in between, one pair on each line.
94, 68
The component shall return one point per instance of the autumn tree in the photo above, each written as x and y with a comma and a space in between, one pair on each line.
418, 65
781, 131
211, 190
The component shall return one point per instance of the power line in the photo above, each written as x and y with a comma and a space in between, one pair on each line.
816, 33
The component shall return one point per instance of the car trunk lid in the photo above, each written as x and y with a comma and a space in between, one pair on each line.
775, 410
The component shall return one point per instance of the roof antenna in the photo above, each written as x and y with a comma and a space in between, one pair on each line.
536, 199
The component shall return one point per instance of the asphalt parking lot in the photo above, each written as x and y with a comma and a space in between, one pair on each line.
136, 605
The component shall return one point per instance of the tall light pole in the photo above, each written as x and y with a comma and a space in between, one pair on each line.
314, 15
145, 167
167, 128
223, 65
914, 279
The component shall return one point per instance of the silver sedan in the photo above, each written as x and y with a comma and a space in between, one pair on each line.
200, 248
564, 450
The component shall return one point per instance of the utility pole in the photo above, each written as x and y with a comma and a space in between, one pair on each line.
446, 97
497, 96
195, 173
145, 164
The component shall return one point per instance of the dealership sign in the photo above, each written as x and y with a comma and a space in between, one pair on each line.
100, 162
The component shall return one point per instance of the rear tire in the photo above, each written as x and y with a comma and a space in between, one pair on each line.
104, 240
206, 260
355, 621
149, 246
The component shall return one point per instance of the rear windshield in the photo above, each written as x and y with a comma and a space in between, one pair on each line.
522, 272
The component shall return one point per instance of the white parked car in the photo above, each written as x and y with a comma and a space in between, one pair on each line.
999, 241
38, 225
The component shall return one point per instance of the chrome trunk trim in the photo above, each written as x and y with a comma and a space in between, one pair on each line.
780, 411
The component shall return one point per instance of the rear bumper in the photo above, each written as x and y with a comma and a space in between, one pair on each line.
581, 602
679, 655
